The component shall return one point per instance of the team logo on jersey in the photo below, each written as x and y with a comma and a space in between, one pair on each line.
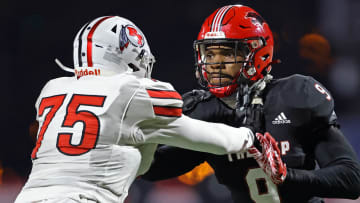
281, 119
131, 34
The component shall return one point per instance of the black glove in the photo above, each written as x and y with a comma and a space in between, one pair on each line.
253, 118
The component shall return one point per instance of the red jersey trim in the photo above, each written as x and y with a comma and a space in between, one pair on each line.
167, 111
164, 94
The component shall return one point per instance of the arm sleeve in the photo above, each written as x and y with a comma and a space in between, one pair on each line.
170, 162
197, 135
339, 173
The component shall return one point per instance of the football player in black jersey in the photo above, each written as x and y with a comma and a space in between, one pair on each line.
233, 56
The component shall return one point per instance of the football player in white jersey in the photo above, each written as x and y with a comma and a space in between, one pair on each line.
99, 130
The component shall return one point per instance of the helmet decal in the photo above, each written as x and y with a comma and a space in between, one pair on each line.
130, 33
135, 36
257, 18
214, 35
124, 41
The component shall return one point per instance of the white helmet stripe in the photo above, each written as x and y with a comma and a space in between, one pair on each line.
222, 17
215, 20
89, 40
219, 18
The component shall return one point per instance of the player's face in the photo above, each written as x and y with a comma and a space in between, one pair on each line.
221, 74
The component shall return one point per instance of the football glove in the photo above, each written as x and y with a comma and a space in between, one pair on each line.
269, 158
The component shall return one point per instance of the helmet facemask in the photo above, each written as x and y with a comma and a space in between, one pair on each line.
144, 66
234, 51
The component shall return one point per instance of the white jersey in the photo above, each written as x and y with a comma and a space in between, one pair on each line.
97, 134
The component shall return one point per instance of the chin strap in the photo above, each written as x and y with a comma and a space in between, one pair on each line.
260, 85
65, 68
245, 93
78, 71
249, 103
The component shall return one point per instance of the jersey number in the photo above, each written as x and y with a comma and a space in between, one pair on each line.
90, 121
323, 91
261, 188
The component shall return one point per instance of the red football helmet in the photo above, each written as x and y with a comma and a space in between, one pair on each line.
243, 29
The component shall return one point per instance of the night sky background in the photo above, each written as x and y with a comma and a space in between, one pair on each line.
34, 33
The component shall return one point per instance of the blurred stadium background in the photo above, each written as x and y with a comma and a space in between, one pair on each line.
313, 37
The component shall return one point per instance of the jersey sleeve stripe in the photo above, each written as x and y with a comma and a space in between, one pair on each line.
164, 94
167, 111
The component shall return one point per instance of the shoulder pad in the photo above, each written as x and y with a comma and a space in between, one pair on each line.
192, 98
51, 84
304, 92
319, 99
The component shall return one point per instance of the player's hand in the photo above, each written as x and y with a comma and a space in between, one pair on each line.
253, 118
269, 159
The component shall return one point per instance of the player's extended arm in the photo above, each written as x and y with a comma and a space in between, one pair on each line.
197, 135
339, 173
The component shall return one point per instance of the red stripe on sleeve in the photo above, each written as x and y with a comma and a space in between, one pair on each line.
167, 111
89, 40
164, 94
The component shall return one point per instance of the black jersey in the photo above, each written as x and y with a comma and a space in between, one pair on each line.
299, 113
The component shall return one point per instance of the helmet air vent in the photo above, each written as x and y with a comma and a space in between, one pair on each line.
114, 29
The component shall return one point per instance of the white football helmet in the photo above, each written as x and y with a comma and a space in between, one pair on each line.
111, 45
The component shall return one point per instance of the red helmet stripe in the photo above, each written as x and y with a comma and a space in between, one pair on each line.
215, 27
89, 40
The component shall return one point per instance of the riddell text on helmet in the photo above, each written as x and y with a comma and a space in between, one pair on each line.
87, 72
